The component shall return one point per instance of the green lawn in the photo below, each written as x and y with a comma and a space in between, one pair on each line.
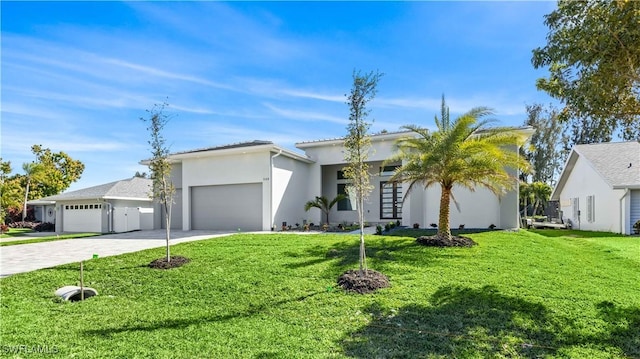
15, 232
274, 296
47, 238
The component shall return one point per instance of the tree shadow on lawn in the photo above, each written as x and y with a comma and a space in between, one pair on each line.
182, 323
379, 253
466, 322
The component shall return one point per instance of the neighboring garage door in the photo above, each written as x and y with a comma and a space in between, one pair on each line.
227, 207
635, 208
82, 218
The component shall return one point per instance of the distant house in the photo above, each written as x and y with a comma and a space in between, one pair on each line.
260, 186
119, 206
599, 187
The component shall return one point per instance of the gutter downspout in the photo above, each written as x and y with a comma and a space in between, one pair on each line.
272, 217
622, 229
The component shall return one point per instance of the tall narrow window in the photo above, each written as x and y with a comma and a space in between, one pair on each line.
345, 204
575, 206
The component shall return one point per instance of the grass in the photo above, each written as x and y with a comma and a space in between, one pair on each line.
274, 296
47, 239
15, 232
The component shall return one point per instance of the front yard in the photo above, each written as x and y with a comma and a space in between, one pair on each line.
274, 295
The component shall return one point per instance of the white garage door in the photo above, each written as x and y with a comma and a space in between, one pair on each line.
82, 218
227, 207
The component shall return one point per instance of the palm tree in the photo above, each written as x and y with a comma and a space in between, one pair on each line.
31, 169
324, 204
464, 153
541, 193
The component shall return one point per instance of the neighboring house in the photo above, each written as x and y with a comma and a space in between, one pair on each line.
599, 187
260, 186
119, 206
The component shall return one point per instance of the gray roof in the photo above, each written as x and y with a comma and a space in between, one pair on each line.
618, 163
132, 188
226, 147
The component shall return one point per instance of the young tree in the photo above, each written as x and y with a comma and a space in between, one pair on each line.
324, 204
163, 189
462, 152
31, 171
593, 56
357, 145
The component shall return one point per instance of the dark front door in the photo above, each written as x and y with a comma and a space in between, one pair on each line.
390, 200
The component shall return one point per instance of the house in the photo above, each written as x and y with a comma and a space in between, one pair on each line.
119, 206
599, 187
261, 186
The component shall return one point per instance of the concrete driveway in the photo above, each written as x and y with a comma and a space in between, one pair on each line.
29, 257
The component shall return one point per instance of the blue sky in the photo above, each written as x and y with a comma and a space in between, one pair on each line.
77, 76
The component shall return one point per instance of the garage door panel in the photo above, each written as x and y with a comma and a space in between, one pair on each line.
82, 220
227, 207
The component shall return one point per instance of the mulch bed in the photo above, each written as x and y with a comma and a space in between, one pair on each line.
439, 241
368, 282
176, 261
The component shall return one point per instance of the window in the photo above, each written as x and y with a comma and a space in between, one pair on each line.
388, 170
345, 204
575, 206
341, 175
591, 209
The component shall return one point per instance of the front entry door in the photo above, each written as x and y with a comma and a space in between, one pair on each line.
390, 200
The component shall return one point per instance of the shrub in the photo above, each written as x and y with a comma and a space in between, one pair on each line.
387, 227
4, 228
416, 225
398, 223
392, 224
433, 225
379, 230
492, 226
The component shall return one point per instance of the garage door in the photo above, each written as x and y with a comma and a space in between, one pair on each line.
227, 207
635, 208
82, 218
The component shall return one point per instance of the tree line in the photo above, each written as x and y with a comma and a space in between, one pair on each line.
50, 173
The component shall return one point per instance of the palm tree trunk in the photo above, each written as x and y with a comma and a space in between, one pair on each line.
444, 230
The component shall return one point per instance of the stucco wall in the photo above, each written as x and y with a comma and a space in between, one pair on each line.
582, 182
290, 191
250, 167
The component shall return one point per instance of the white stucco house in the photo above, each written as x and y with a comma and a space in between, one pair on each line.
259, 185
599, 187
119, 206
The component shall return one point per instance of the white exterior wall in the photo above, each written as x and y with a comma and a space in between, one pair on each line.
329, 158
478, 209
236, 168
289, 181
582, 182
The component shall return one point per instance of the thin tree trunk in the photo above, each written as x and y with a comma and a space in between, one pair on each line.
363, 256
26, 197
168, 229
444, 230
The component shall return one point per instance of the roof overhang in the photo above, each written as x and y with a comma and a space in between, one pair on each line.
179, 157
564, 175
